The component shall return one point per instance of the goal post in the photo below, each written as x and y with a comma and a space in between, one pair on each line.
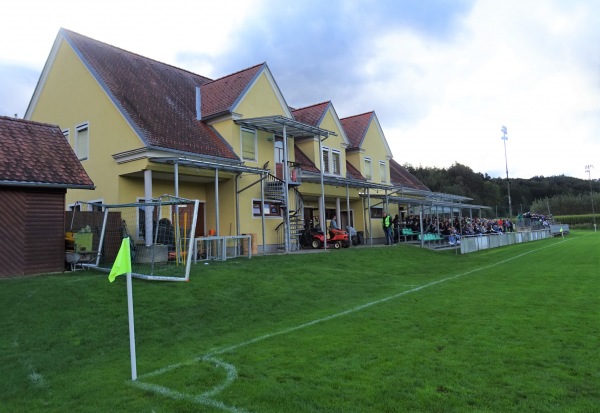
161, 231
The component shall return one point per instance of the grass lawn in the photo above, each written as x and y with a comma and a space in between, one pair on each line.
374, 329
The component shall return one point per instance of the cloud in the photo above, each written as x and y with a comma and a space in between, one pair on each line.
16, 83
442, 76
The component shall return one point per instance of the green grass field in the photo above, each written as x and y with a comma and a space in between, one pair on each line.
381, 329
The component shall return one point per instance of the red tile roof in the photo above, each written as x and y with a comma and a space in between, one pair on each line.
401, 177
159, 99
311, 115
38, 153
304, 161
356, 128
221, 95
354, 173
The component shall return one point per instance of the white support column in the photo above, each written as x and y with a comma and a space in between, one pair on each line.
176, 173
286, 191
148, 210
218, 232
338, 217
322, 222
350, 223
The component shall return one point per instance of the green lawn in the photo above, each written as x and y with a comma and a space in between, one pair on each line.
382, 329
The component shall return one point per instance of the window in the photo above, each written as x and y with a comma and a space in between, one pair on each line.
331, 161
335, 162
368, 169
326, 168
248, 145
66, 134
95, 206
82, 142
376, 212
272, 209
382, 172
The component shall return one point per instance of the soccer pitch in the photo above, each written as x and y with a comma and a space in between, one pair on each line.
389, 329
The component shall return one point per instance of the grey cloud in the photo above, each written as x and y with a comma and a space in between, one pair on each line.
16, 88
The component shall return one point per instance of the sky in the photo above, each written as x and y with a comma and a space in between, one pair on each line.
442, 76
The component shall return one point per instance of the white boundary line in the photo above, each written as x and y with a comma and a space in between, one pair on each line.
205, 398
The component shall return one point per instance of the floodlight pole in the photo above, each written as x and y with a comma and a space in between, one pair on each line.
504, 138
588, 169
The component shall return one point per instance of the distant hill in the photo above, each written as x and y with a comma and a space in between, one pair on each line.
460, 179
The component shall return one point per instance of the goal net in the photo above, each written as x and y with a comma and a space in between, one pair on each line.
161, 232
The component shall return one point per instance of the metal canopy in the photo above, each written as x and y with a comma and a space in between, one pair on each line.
275, 124
204, 164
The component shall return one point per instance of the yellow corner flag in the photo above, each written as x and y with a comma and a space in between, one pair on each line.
122, 263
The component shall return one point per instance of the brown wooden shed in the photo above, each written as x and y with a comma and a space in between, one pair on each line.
37, 166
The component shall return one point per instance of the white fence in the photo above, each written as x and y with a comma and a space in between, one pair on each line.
482, 242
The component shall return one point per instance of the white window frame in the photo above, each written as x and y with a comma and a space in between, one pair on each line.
255, 150
82, 147
336, 153
328, 165
67, 134
268, 205
368, 168
383, 171
326, 158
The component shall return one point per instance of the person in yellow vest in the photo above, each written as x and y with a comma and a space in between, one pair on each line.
386, 223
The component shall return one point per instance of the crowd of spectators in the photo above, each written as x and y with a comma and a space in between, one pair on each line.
454, 229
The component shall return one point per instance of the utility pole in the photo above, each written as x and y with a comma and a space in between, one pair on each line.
504, 138
588, 169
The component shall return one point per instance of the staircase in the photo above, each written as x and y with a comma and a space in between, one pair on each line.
274, 190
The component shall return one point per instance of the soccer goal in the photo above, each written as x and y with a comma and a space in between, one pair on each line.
161, 235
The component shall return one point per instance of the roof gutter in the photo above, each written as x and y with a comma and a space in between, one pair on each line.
45, 185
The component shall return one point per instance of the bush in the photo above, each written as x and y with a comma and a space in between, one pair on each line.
583, 220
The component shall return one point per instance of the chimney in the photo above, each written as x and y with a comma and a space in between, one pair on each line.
198, 104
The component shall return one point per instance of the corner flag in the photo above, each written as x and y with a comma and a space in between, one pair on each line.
122, 263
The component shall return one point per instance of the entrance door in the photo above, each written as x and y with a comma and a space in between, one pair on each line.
188, 212
279, 158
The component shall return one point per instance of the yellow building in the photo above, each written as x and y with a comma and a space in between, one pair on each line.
142, 128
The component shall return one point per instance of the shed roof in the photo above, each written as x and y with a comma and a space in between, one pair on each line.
33, 153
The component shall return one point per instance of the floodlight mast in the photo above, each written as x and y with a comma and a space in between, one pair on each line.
588, 169
504, 138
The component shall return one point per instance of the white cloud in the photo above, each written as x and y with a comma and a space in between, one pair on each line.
442, 78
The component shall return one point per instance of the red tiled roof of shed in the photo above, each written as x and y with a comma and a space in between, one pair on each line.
157, 98
38, 153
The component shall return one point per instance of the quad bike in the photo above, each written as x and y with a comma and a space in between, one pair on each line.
316, 238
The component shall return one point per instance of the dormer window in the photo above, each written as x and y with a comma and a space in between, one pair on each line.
368, 169
248, 142
331, 161
326, 168
382, 171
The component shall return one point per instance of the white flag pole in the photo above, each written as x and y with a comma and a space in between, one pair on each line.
131, 328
